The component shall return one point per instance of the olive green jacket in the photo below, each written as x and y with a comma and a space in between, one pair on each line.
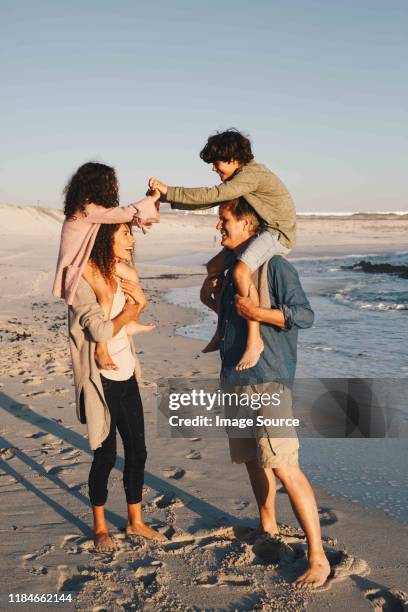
260, 187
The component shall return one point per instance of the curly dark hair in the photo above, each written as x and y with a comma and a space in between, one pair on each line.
93, 182
225, 146
102, 256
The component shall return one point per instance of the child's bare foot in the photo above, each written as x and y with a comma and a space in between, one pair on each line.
213, 345
143, 530
251, 356
317, 574
103, 542
102, 357
134, 328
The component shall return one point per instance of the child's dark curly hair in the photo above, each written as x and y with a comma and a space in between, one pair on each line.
92, 183
225, 146
102, 256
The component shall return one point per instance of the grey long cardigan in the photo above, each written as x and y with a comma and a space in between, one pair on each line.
86, 327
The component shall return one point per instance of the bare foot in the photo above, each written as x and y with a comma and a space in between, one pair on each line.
317, 574
103, 542
102, 357
250, 357
213, 345
141, 529
134, 328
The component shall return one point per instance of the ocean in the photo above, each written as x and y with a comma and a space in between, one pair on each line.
361, 319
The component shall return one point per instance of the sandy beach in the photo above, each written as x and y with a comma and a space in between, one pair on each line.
193, 494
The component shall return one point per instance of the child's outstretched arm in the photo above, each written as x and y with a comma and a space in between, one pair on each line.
190, 198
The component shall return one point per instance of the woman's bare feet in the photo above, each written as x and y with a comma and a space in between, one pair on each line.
213, 345
317, 573
134, 328
251, 356
143, 530
103, 542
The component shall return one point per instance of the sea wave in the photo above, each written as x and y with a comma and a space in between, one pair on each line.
383, 306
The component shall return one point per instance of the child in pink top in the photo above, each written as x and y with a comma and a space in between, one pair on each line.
95, 182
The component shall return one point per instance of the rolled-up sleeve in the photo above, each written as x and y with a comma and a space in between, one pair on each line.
99, 330
291, 298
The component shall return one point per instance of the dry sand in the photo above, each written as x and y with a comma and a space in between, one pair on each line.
192, 492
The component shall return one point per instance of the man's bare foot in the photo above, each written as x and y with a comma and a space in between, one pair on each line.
102, 358
134, 328
103, 542
250, 357
213, 345
143, 530
317, 574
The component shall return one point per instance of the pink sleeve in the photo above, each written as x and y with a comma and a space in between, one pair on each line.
95, 213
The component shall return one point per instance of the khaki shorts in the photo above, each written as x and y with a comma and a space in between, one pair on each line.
265, 444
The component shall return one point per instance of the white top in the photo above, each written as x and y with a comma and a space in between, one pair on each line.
119, 346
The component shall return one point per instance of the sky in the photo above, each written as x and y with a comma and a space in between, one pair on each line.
320, 86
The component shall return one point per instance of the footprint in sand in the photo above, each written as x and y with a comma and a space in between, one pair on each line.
181, 544
274, 549
240, 504
38, 434
33, 380
174, 472
327, 516
38, 571
235, 580
146, 574
36, 394
37, 554
166, 500
193, 454
391, 600
7, 453
58, 469
206, 580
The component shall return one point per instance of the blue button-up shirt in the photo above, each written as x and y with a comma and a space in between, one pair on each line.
278, 360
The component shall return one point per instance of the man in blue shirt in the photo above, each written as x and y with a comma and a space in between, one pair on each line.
265, 455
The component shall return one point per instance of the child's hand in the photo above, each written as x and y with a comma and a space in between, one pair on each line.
155, 193
154, 183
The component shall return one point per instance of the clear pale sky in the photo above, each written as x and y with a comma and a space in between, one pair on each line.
319, 85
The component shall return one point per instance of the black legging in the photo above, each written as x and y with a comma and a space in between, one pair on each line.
126, 412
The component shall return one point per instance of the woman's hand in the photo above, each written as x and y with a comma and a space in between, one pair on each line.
246, 308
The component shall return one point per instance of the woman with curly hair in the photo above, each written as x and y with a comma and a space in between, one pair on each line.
108, 400
92, 199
